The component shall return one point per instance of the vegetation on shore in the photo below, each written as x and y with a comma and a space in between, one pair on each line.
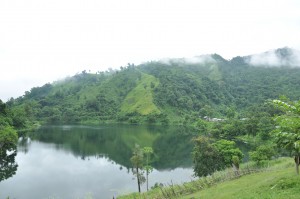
8, 142
274, 179
210, 156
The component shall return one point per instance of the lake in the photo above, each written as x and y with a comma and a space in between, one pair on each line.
71, 161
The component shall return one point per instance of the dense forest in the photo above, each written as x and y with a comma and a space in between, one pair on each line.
174, 91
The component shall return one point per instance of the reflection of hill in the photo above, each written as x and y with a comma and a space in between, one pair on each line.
115, 142
173, 150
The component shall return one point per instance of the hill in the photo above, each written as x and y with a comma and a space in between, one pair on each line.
276, 181
176, 91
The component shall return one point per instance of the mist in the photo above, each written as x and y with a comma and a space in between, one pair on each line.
283, 57
202, 59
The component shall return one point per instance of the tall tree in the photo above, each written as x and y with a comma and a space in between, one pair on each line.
231, 155
206, 158
137, 161
288, 132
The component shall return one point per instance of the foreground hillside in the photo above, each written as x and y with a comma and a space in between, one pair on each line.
281, 183
177, 91
275, 181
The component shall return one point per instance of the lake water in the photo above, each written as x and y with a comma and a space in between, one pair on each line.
70, 162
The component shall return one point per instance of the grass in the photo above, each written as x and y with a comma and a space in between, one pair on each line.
280, 183
277, 180
140, 99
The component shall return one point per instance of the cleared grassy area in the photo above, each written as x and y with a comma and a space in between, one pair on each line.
281, 183
140, 99
278, 180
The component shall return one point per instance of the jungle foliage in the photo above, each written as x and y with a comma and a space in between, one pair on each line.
8, 142
158, 92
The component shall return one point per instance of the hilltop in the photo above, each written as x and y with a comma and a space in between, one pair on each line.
171, 91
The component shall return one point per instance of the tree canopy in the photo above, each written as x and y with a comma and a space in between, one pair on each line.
210, 156
8, 152
206, 157
287, 134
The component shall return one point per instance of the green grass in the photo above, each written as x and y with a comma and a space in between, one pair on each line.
278, 180
280, 183
140, 99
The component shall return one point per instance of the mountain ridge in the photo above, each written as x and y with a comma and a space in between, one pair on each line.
176, 91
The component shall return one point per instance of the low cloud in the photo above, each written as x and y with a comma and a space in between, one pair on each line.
203, 59
276, 58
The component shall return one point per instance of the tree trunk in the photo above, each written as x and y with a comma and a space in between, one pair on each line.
236, 169
147, 179
297, 162
138, 179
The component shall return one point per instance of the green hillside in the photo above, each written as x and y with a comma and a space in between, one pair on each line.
277, 180
279, 183
173, 92
140, 99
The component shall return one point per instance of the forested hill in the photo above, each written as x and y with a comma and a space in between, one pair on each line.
167, 91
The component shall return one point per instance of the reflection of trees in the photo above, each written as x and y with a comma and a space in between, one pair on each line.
173, 149
8, 152
116, 143
23, 144
88, 142
8, 166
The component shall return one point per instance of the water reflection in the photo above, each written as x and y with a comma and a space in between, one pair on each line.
8, 166
73, 161
24, 144
172, 148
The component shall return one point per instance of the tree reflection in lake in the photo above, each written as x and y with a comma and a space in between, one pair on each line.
172, 149
71, 161
8, 166
24, 144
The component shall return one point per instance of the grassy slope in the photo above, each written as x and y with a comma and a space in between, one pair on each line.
278, 181
140, 99
281, 183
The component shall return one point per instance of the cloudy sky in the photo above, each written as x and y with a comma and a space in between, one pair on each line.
45, 40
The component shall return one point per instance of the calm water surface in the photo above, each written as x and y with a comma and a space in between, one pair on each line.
70, 162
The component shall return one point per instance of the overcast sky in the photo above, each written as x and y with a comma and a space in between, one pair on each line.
45, 40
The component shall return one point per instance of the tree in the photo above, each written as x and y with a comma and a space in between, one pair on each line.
263, 152
230, 153
148, 151
8, 152
230, 112
137, 161
202, 125
3, 108
19, 118
206, 157
287, 134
